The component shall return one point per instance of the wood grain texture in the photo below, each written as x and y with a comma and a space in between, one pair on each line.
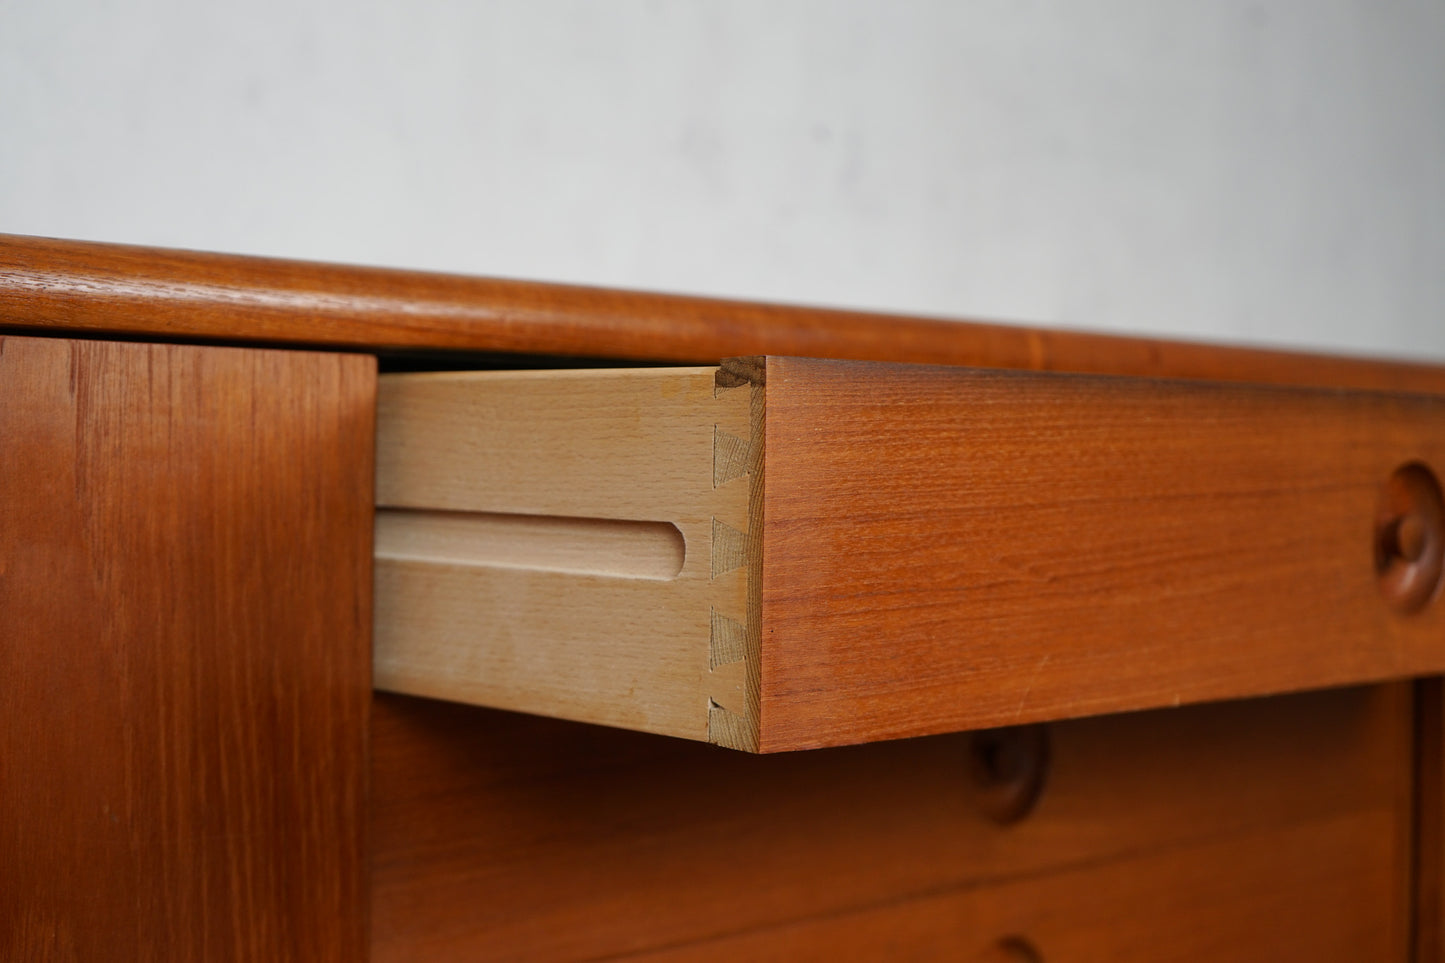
70, 286
947, 549
1429, 830
1258, 898
185, 588
523, 461
513, 837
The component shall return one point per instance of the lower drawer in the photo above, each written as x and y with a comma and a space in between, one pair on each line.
1265, 897
1235, 830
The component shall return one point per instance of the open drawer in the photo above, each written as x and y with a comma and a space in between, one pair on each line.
784, 553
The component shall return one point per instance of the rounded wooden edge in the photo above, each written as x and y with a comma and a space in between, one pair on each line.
80, 288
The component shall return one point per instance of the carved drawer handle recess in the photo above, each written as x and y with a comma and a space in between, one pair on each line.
1009, 768
1014, 949
1410, 537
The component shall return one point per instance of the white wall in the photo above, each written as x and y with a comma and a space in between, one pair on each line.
1266, 172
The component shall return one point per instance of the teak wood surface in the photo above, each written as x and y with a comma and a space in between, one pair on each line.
185, 587
1304, 826
950, 549
1240, 829
74, 287
1264, 898
1429, 826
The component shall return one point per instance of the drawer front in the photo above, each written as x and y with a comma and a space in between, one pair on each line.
1228, 831
1264, 898
784, 553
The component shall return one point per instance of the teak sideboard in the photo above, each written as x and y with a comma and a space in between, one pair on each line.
364, 614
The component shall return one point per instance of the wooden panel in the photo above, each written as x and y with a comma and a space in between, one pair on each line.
185, 586
513, 837
75, 286
1429, 833
539, 574
1265, 897
948, 549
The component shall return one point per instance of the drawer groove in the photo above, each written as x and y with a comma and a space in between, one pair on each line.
582, 546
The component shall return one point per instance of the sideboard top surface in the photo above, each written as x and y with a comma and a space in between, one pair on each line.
76, 288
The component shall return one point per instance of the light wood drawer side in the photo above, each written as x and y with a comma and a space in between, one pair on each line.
572, 544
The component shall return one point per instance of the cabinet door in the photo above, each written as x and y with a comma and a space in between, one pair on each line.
185, 535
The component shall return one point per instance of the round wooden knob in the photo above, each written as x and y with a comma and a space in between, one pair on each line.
1410, 537
1009, 768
